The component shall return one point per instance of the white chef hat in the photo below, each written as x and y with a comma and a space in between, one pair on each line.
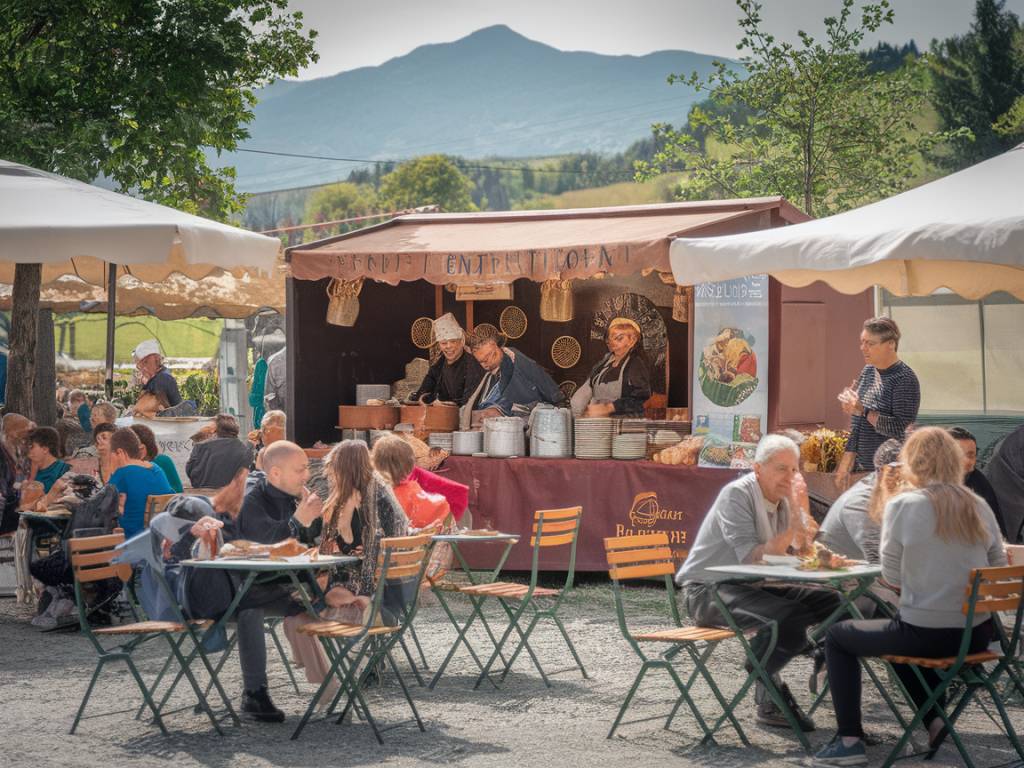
145, 349
447, 328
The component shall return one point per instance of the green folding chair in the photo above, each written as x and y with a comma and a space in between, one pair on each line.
990, 590
649, 557
356, 649
551, 528
92, 561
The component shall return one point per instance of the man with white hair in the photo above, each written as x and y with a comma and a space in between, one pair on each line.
157, 380
456, 374
761, 513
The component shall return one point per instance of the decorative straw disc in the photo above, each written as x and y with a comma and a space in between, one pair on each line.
485, 327
422, 332
513, 322
565, 352
568, 388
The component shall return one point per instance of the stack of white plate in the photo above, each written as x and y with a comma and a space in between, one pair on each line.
440, 440
551, 433
467, 443
594, 438
629, 446
633, 426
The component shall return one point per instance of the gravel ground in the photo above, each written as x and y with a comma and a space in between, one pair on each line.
524, 723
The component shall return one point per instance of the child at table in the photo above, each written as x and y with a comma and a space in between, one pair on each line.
933, 536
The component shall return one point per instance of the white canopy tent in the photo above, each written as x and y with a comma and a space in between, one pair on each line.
77, 229
964, 232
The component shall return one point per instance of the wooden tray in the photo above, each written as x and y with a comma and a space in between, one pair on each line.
431, 418
367, 416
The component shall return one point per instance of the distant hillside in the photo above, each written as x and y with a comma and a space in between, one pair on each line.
493, 93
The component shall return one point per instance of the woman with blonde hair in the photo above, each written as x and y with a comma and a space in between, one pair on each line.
933, 535
620, 383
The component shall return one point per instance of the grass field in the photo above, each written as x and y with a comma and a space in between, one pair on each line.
659, 190
197, 337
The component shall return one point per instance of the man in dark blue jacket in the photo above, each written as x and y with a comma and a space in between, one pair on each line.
512, 381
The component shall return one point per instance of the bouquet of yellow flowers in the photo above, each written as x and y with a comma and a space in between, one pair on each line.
822, 450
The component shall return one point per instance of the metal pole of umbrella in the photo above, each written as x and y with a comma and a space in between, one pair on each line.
111, 322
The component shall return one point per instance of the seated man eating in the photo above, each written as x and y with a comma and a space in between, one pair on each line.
276, 506
511, 382
760, 513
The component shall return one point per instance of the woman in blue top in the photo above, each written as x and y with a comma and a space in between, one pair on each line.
136, 479
151, 452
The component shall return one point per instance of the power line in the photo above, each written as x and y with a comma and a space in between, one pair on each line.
519, 169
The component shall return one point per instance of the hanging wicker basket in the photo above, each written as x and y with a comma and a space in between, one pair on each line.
556, 301
343, 301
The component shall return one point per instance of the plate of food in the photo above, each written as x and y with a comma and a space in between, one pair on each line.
791, 560
824, 559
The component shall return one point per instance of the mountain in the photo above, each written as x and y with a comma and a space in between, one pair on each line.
491, 93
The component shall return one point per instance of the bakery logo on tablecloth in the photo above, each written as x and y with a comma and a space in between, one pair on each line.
645, 513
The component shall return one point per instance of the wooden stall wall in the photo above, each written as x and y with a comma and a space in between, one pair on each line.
814, 353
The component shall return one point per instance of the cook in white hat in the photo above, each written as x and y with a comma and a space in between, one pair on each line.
157, 380
456, 374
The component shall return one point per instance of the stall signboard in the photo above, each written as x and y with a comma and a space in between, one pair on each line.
730, 386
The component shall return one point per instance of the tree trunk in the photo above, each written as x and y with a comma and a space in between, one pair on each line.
21, 364
45, 390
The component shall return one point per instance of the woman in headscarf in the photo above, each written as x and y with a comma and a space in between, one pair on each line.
620, 383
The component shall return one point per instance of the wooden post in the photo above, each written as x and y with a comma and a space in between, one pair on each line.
438, 300
108, 383
21, 362
469, 315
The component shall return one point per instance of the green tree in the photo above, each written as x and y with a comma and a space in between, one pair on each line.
820, 128
976, 78
339, 201
137, 92
428, 180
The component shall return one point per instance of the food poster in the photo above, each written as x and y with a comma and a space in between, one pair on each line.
730, 388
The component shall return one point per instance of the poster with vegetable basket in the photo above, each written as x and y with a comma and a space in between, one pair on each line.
730, 388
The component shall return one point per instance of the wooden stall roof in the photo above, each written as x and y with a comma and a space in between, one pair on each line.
499, 247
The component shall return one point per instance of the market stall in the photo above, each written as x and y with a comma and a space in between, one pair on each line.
501, 268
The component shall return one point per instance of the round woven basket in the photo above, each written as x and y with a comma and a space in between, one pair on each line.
565, 352
422, 332
513, 322
568, 388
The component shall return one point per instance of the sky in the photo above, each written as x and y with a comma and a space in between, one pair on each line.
359, 33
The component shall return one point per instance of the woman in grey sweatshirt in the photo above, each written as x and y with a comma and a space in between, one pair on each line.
932, 538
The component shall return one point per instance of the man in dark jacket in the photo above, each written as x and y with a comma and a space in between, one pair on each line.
975, 480
276, 506
512, 382
456, 374
215, 460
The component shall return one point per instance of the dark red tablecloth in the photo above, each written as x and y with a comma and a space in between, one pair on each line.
618, 498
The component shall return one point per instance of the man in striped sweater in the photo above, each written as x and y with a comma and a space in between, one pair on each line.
882, 403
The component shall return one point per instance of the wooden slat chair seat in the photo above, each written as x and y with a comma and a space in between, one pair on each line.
989, 591
508, 590
648, 556
341, 629
686, 635
354, 650
93, 559
946, 663
551, 528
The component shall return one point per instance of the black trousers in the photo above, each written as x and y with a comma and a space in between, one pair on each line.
848, 641
260, 601
795, 609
